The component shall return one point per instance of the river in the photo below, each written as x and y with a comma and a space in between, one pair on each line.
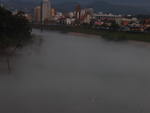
75, 73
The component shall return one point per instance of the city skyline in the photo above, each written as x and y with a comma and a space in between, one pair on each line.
81, 16
68, 5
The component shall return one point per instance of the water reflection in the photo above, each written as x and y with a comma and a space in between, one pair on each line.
69, 73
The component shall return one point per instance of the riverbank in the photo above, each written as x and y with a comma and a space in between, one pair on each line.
108, 35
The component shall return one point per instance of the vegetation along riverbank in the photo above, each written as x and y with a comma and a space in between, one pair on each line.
14, 29
106, 34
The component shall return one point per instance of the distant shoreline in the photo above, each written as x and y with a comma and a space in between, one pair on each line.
82, 34
105, 34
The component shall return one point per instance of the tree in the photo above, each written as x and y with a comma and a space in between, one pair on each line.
14, 31
13, 28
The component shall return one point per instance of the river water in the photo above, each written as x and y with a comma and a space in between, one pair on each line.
75, 73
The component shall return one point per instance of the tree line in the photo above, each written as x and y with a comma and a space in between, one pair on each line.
14, 28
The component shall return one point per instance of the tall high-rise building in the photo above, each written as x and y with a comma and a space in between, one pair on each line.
78, 11
53, 12
37, 14
46, 9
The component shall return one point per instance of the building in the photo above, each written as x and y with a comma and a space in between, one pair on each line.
71, 14
53, 12
78, 12
86, 15
87, 19
28, 17
37, 14
46, 9
102, 16
147, 23
70, 21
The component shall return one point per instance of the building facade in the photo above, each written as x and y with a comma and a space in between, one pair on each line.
46, 9
37, 14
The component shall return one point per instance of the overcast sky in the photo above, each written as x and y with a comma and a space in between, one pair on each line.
125, 2
129, 2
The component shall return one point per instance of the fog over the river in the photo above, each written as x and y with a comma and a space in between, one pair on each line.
74, 73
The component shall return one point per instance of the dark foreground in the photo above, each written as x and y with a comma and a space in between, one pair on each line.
72, 73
